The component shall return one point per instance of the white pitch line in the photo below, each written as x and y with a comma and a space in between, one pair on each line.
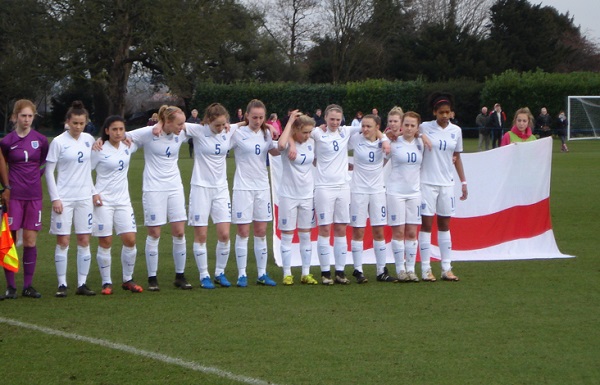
139, 352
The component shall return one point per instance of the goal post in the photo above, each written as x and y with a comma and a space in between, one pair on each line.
584, 117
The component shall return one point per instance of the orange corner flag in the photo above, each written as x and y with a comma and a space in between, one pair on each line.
8, 252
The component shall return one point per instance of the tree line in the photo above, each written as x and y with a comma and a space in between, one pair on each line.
91, 49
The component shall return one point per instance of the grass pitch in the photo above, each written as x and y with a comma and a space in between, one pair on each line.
513, 322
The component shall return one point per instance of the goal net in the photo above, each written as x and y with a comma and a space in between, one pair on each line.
584, 117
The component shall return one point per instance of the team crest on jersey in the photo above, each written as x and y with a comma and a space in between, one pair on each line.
196, 217
87, 144
309, 147
152, 217
342, 134
58, 225
453, 136
100, 227
354, 218
423, 206
239, 214
10, 221
176, 139
380, 145
393, 217
322, 215
223, 137
126, 151
35, 144
419, 147
284, 221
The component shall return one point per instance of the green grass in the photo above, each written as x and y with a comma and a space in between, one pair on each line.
510, 322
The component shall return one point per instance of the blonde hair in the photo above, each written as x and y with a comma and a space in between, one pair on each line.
333, 107
167, 113
525, 111
396, 111
303, 121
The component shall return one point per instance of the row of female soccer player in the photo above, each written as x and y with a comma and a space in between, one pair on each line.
74, 154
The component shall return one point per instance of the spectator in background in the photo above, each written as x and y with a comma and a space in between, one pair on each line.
358, 119
496, 123
453, 119
521, 130
561, 130
152, 121
239, 116
375, 112
543, 123
195, 120
285, 119
484, 132
318, 117
274, 121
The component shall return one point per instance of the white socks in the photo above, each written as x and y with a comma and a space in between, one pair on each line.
340, 250
152, 255
398, 250
104, 262
286, 253
60, 260
260, 253
324, 250
128, 257
425, 248
445, 243
222, 257
201, 258
179, 254
241, 254
411, 254
357, 254
84, 261
305, 251
380, 250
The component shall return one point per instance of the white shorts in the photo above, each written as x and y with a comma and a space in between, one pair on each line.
251, 205
332, 205
160, 205
372, 206
292, 212
121, 217
402, 211
205, 201
79, 213
437, 200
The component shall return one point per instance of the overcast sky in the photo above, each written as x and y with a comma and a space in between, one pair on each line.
586, 14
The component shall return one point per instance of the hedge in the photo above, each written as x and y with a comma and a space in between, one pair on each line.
538, 89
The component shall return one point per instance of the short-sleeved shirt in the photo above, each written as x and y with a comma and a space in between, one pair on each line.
73, 163
437, 166
111, 165
161, 154
25, 156
210, 151
367, 176
251, 149
332, 155
406, 159
297, 175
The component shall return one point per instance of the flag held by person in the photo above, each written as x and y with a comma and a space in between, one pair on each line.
8, 251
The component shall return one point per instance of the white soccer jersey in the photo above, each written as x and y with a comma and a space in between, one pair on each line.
404, 178
437, 164
161, 153
332, 155
297, 176
251, 150
111, 165
72, 159
367, 176
210, 151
